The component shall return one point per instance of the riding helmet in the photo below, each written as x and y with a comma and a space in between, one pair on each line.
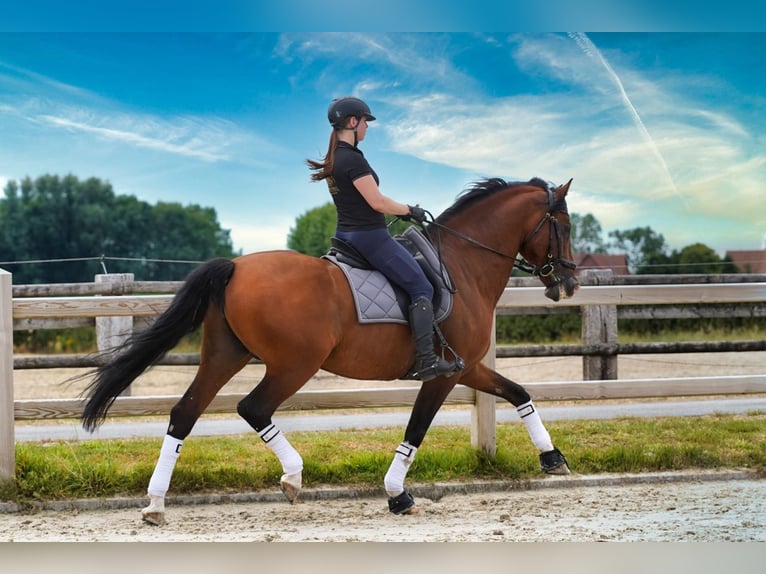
341, 108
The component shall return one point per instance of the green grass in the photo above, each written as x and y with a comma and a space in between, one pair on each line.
110, 468
674, 336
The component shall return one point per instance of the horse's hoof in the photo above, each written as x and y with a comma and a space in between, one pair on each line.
155, 512
290, 485
553, 462
559, 470
402, 504
154, 518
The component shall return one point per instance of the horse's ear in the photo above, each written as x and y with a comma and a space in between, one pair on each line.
561, 191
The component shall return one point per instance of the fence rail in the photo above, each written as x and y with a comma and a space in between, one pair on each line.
49, 306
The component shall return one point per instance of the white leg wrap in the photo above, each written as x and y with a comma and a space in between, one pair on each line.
156, 504
291, 461
394, 479
537, 432
160, 481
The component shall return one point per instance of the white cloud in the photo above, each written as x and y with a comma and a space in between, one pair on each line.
191, 147
28, 81
49, 103
611, 212
252, 238
389, 63
690, 159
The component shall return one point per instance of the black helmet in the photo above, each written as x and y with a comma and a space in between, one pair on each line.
341, 108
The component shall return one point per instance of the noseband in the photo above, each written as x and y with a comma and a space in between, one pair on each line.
554, 232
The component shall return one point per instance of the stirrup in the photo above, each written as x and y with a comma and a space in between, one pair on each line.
401, 503
432, 372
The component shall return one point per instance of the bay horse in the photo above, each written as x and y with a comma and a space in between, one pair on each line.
296, 314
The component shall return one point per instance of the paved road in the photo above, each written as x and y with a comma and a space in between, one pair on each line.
296, 422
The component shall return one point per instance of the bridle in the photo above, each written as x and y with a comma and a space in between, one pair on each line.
548, 269
554, 232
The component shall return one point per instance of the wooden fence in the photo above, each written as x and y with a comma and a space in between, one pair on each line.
600, 300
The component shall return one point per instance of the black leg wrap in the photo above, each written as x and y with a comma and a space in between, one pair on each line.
401, 503
552, 460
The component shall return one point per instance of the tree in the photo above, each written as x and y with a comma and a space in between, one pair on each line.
643, 247
71, 223
312, 231
699, 258
586, 234
662, 264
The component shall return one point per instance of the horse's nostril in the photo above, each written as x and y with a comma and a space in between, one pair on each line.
553, 292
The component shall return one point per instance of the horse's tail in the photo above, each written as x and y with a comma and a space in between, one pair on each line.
204, 285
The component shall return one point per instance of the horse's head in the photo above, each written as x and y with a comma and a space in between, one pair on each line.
549, 250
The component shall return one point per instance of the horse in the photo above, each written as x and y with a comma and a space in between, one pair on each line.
296, 314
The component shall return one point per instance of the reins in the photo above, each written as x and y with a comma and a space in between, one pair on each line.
519, 262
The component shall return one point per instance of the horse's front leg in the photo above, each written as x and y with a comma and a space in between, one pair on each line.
484, 379
427, 404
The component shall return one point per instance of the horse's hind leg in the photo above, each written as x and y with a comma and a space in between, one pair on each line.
222, 356
484, 379
257, 408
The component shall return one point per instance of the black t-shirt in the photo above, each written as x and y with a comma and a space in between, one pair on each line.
354, 213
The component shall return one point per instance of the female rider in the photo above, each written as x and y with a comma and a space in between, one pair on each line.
361, 209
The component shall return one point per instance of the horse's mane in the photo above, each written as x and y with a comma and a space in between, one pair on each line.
484, 188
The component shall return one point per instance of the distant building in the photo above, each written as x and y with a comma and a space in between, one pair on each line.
749, 261
617, 263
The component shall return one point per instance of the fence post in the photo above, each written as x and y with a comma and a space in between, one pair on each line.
483, 427
599, 326
112, 331
7, 416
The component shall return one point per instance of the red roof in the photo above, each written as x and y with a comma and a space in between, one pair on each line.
752, 261
617, 263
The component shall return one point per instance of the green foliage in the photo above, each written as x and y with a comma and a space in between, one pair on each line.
554, 328
586, 235
641, 244
699, 258
79, 340
567, 328
64, 218
646, 249
103, 468
706, 329
312, 231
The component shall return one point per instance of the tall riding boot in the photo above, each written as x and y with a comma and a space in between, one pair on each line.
428, 365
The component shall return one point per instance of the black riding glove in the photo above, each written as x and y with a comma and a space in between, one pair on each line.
416, 214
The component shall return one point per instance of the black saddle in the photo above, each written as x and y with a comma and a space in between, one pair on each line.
421, 249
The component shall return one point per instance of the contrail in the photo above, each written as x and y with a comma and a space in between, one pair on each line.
591, 50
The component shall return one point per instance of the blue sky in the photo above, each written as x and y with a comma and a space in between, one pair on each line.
665, 130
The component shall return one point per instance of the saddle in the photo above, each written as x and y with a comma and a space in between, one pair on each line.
377, 300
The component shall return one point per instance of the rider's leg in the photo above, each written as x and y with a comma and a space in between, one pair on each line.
399, 267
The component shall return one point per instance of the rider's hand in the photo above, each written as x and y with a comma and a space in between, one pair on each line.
416, 214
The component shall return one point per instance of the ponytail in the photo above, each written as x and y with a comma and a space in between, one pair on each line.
323, 169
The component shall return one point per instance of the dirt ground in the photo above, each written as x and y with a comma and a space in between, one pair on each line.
697, 511
720, 510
